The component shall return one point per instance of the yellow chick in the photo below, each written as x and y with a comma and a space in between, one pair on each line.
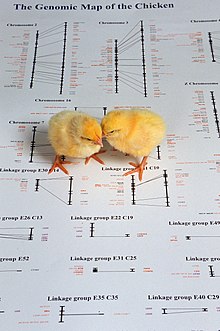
136, 132
74, 134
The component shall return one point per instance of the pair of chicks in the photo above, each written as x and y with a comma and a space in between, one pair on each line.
136, 132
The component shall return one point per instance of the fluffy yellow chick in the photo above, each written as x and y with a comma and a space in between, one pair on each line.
136, 132
74, 134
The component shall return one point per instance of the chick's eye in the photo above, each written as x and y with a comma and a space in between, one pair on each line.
112, 131
85, 138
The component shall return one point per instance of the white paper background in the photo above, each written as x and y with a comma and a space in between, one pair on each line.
115, 253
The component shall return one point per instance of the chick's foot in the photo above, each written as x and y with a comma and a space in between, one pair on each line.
58, 163
95, 157
137, 168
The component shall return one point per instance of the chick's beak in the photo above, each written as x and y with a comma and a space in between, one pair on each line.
99, 142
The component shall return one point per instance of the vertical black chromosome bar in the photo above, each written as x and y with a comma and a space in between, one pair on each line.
91, 230
63, 58
116, 66
31, 234
166, 187
61, 314
33, 143
132, 190
215, 113
211, 271
211, 46
158, 152
37, 185
143, 59
34, 60
164, 311
70, 190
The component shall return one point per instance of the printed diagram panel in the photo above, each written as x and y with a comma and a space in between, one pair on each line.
63, 314
193, 310
99, 309
52, 187
44, 59
144, 193
189, 46
52, 59
199, 124
205, 113
123, 61
152, 192
49, 57
130, 61
186, 176
57, 60
96, 308
17, 233
110, 188
114, 228
23, 235
29, 144
21, 241
78, 190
